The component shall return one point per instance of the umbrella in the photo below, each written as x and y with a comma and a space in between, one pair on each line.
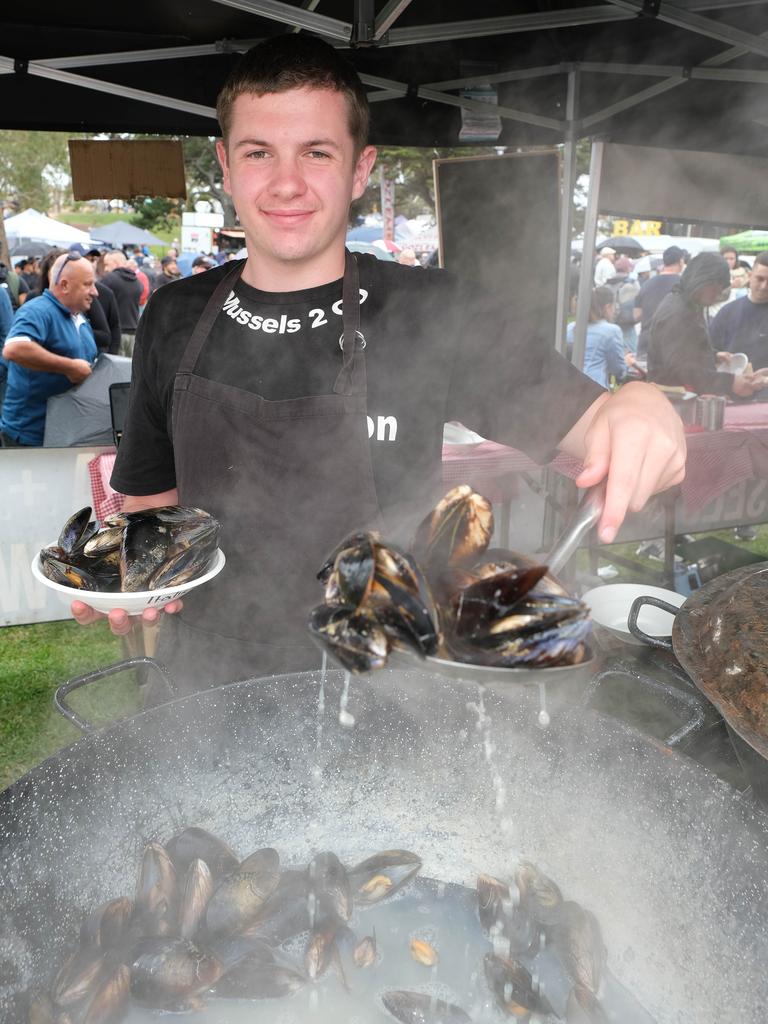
31, 250
368, 233
747, 241
120, 232
622, 243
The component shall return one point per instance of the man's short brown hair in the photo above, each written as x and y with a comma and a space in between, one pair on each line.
295, 61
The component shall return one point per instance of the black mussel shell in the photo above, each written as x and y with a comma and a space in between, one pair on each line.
75, 529
167, 971
329, 883
251, 978
143, 550
381, 875
355, 639
195, 843
421, 1008
512, 986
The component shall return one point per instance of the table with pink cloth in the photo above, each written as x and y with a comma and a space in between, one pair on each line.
717, 461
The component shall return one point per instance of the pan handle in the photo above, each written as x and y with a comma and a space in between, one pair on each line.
61, 693
653, 641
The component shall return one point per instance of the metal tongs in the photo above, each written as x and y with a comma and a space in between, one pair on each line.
586, 516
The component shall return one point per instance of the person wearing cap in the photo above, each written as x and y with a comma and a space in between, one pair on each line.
653, 291
169, 271
49, 347
680, 353
301, 394
605, 267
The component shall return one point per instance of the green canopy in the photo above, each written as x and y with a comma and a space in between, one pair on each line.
747, 241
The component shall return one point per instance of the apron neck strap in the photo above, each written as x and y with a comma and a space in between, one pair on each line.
352, 340
205, 323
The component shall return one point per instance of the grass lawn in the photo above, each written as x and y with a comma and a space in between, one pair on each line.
34, 660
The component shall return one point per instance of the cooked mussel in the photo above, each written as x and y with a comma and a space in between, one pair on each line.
502, 918
584, 1008
329, 885
421, 1008
239, 897
77, 530
355, 638
106, 926
538, 893
167, 972
196, 891
252, 978
57, 566
381, 875
579, 943
513, 988
196, 843
455, 532
78, 976
156, 891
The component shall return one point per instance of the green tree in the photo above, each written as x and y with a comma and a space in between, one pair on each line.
156, 212
34, 169
204, 177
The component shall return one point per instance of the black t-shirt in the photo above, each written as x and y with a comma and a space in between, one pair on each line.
436, 350
742, 326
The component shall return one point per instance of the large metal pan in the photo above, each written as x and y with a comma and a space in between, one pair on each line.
719, 637
673, 863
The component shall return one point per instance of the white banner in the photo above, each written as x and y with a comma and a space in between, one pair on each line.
40, 488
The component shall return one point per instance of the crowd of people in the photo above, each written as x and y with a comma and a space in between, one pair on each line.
680, 322
57, 313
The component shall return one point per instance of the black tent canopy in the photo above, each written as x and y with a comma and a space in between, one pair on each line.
684, 74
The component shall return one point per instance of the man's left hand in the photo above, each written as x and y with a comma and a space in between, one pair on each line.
636, 439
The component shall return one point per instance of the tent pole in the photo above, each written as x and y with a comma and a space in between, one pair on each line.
566, 209
586, 277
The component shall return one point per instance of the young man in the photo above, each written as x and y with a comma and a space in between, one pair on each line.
301, 394
742, 325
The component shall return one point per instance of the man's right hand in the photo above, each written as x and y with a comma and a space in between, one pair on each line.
120, 622
78, 370
746, 384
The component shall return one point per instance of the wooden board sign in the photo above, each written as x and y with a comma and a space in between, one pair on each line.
127, 168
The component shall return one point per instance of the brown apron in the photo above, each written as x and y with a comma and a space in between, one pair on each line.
287, 480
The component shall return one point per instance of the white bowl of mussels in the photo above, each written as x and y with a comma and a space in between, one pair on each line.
134, 560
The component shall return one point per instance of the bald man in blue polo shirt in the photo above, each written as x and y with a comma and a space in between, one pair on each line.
49, 348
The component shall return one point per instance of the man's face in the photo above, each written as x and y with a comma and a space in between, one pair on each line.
171, 268
758, 283
291, 169
76, 289
731, 259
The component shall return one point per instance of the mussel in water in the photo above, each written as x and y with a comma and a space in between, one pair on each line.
513, 988
579, 943
354, 638
421, 1008
584, 1008
502, 918
41, 1009
364, 953
252, 978
538, 893
240, 896
196, 892
321, 948
195, 843
455, 532
109, 1002
329, 885
106, 926
423, 952
157, 891
78, 976
167, 972
383, 874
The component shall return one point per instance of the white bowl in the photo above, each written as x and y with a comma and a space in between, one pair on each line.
133, 603
610, 607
